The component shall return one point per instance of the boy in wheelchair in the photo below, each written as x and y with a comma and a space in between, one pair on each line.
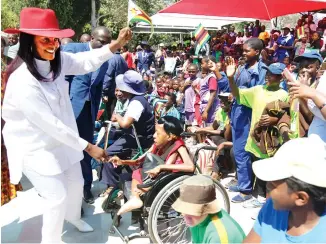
171, 150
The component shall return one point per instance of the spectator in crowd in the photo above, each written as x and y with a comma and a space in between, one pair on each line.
263, 34
200, 209
169, 108
296, 209
128, 57
222, 80
145, 58
247, 76
231, 31
65, 41
85, 38
160, 55
85, 94
247, 36
140, 114
316, 41
117, 65
256, 29
190, 94
311, 100
301, 45
285, 45
257, 98
208, 92
13, 46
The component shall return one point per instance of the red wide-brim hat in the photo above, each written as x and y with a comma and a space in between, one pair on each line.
40, 22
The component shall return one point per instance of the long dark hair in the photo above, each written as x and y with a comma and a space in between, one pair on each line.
26, 54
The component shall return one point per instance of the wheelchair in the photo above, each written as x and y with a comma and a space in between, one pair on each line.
164, 224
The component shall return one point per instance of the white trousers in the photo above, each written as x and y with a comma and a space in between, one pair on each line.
65, 190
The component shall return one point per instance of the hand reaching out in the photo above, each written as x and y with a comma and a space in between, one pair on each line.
96, 152
116, 161
230, 67
299, 90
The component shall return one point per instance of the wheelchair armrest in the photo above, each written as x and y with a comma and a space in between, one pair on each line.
115, 124
151, 182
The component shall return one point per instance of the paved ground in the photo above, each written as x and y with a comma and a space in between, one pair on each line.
28, 231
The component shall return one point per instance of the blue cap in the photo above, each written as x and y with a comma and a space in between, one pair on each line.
309, 54
131, 82
276, 68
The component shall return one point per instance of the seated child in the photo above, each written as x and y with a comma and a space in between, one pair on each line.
169, 108
201, 211
221, 134
166, 138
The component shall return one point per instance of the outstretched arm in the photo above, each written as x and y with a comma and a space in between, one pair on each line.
85, 62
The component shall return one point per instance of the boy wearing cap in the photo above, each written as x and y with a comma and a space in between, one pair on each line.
257, 98
201, 211
296, 210
309, 65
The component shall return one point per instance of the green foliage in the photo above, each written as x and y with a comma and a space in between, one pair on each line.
76, 14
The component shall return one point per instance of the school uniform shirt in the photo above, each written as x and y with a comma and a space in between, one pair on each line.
217, 228
171, 112
222, 118
257, 98
272, 225
40, 130
190, 96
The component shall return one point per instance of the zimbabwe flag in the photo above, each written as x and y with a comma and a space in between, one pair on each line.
202, 36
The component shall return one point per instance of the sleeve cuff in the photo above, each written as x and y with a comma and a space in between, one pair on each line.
83, 143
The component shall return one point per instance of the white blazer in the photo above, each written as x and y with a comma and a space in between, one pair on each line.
40, 130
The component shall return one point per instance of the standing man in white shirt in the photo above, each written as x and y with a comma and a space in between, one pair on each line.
38, 114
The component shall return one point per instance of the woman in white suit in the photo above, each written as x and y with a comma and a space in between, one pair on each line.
39, 115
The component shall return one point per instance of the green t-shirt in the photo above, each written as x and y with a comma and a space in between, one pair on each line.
217, 228
257, 98
222, 118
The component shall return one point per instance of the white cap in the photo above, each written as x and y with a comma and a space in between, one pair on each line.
302, 158
161, 44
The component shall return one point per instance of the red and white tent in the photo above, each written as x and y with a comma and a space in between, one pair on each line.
258, 9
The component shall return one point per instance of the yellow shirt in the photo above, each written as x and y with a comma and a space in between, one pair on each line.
257, 98
222, 118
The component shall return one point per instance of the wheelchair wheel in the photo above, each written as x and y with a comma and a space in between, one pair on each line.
165, 225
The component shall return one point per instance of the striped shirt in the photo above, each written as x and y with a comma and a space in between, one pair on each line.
217, 228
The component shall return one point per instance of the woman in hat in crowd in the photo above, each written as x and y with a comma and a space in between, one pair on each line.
38, 113
208, 222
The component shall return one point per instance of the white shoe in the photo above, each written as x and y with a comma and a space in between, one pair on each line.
81, 225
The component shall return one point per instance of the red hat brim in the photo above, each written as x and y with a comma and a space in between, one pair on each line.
48, 33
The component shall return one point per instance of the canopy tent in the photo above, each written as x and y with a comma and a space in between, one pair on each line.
183, 23
258, 9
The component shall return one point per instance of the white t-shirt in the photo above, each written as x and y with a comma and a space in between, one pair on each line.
318, 125
134, 110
